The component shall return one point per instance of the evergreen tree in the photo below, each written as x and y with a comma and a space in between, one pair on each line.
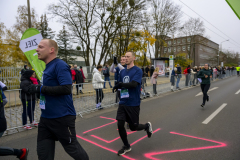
64, 46
44, 29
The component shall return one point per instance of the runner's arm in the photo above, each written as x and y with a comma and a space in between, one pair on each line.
112, 68
4, 88
200, 75
120, 66
129, 85
57, 90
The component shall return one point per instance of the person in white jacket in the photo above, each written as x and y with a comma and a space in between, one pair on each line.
97, 82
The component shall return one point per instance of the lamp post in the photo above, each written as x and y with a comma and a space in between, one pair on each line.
221, 49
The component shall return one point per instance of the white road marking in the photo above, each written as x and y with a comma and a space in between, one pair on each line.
199, 94
206, 121
238, 92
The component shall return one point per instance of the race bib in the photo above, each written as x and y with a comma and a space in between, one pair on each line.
42, 102
124, 93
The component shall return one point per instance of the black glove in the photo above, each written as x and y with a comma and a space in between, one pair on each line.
117, 86
34, 88
115, 61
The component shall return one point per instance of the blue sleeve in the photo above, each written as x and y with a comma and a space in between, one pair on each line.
63, 74
138, 76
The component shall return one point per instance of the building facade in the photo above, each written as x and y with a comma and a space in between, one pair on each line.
199, 49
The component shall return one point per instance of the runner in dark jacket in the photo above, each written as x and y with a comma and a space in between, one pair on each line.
205, 75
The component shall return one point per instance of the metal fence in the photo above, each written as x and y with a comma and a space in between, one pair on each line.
85, 97
10, 76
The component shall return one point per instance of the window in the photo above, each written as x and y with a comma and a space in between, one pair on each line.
165, 50
179, 41
174, 42
183, 48
179, 49
189, 39
169, 50
174, 49
183, 40
188, 48
169, 42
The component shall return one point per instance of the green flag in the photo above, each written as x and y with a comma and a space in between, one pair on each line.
235, 5
28, 44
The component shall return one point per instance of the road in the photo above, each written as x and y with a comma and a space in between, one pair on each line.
177, 120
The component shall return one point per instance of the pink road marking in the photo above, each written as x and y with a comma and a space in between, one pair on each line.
114, 121
108, 149
143, 137
111, 140
149, 155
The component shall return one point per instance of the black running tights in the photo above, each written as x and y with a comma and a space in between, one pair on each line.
123, 133
205, 88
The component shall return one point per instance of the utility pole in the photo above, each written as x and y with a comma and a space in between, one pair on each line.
29, 15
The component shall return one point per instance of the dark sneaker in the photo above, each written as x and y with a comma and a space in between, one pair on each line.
149, 129
124, 150
202, 105
207, 98
100, 107
24, 154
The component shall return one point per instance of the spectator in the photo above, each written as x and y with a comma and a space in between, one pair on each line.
172, 79
147, 71
188, 75
106, 76
6, 151
143, 70
82, 74
154, 80
167, 70
73, 74
4, 87
151, 70
194, 75
179, 76
28, 100
24, 69
97, 85
78, 79
116, 72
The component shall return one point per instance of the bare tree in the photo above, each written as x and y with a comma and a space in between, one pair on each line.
166, 18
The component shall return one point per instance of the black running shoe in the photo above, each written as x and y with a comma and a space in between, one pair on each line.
207, 98
149, 130
124, 150
202, 105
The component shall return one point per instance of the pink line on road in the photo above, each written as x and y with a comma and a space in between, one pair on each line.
108, 149
143, 137
114, 121
110, 140
149, 155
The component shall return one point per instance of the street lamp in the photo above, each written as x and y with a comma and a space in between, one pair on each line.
221, 49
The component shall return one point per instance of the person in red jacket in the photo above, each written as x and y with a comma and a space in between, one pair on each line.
82, 74
73, 74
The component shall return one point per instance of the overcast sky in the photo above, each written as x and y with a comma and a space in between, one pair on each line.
217, 12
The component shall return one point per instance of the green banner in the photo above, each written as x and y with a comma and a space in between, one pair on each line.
29, 43
235, 5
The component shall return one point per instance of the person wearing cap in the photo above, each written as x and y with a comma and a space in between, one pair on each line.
28, 99
24, 69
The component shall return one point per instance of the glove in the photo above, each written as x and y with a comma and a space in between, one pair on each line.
115, 61
116, 87
34, 88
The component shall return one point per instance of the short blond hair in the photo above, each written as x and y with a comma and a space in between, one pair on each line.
53, 44
133, 54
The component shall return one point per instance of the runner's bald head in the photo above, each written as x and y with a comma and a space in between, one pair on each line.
52, 44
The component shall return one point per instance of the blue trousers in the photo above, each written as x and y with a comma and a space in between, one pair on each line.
107, 79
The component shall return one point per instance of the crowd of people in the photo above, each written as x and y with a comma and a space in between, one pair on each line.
54, 91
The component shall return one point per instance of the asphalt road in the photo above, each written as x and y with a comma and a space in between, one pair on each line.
177, 120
